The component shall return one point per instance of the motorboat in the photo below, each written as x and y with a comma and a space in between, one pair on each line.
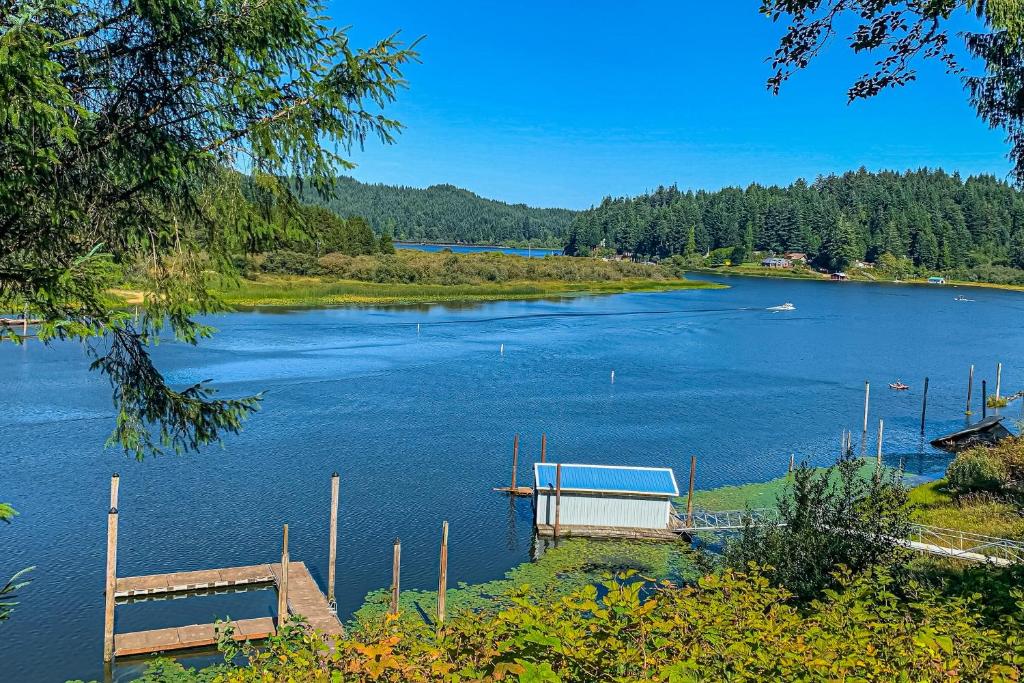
784, 307
961, 298
898, 386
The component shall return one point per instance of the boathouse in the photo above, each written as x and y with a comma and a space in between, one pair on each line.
604, 501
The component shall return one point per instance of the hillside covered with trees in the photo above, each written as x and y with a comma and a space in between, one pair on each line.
445, 213
940, 222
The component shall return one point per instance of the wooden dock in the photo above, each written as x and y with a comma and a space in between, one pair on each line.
304, 599
188, 582
188, 637
297, 595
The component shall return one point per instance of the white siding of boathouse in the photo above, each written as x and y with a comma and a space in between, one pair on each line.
603, 510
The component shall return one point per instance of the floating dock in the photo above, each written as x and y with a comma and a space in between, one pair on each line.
297, 595
304, 599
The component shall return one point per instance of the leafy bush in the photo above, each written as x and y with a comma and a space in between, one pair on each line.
291, 263
978, 469
841, 516
736, 626
447, 268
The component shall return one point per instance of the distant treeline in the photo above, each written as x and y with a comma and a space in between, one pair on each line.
444, 213
939, 221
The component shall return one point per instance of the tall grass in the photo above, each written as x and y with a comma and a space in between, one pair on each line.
277, 290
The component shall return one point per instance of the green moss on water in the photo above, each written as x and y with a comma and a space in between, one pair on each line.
578, 562
559, 571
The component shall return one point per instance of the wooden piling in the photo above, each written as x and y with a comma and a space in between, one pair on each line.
515, 461
689, 492
999, 378
282, 586
333, 554
111, 583
442, 579
984, 400
613, 377
792, 457
881, 426
864, 433
970, 386
924, 404
115, 484
558, 498
396, 571
543, 447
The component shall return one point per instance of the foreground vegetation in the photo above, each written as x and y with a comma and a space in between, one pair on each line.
410, 277
818, 606
733, 626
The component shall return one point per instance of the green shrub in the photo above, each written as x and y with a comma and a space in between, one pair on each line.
729, 627
291, 263
978, 469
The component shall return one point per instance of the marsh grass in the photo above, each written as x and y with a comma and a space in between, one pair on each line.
279, 290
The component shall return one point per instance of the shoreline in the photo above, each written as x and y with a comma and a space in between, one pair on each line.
785, 275
472, 246
314, 292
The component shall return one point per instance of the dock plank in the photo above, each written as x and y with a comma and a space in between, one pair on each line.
187, 637
180, 582
306, 600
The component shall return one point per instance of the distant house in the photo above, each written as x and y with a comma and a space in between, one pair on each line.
935, 280
601, 500
776, 262
796, 256
863, 264
840, 276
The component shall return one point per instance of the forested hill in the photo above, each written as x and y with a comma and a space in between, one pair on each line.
444, 213
938, 220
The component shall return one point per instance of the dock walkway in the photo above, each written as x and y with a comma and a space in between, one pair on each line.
304, 599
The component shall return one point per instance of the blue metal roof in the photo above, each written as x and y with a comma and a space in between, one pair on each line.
657, 481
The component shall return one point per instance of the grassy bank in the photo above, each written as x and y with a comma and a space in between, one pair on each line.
295, 290
853, 275
977, 513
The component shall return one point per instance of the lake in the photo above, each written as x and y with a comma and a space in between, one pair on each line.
474, 249
416, 408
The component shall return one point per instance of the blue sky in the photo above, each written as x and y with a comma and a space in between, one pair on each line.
562, 103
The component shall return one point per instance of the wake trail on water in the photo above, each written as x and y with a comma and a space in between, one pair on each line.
594, 314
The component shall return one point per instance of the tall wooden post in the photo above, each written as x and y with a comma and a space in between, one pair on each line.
984, 400
970, 386
999, 378
558, 499
396, 571
442, 579
515, 462
792, 458
111, 583
924, 404
881, 426
335, 482
115, 485
867, 399
544, 447
282, 585
689, 493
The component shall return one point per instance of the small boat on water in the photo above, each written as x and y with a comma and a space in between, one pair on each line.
899, 386
961, 298
784, 307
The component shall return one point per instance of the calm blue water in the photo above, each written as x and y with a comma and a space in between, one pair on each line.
467, 249
420, 426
